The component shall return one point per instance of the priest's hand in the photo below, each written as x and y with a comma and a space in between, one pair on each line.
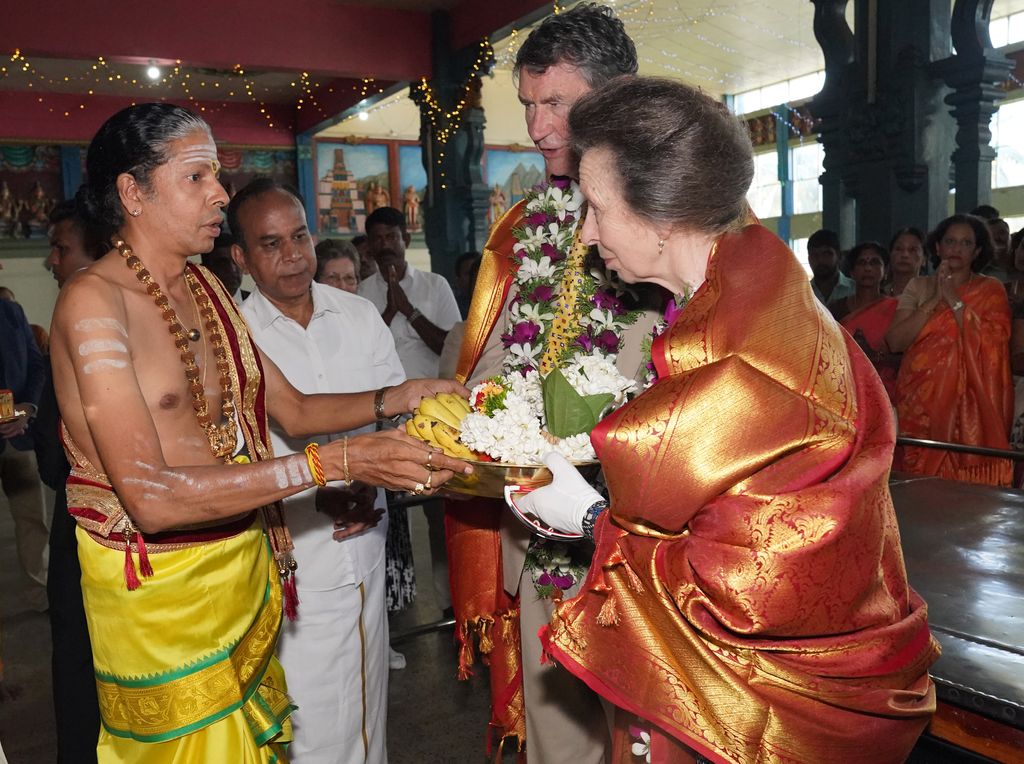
563, 503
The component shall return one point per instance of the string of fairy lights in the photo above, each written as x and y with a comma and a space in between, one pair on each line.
673, 37
206, 90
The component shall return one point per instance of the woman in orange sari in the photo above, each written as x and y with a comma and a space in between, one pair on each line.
867, 313
954, 383
747, 599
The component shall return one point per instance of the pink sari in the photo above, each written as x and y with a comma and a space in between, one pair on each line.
868, 327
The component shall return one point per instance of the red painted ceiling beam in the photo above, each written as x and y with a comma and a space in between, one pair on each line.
319, 36
40, 118
473, 20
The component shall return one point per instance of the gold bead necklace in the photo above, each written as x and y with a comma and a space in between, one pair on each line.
223, 437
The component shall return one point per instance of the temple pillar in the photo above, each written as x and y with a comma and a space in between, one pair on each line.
306, 176
452, 136
974, 73
887, 136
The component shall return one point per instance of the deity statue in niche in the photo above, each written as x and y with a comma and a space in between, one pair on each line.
37, 207
499, 203
10, 212
411, 203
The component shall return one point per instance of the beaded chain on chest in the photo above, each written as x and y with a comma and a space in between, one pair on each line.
222, 437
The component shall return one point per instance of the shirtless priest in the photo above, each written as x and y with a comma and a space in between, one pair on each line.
165, 398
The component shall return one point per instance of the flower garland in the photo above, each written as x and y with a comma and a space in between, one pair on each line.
590, 309
672, 310
557, 566
542, 252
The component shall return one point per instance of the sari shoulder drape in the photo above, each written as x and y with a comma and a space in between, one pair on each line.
748, 595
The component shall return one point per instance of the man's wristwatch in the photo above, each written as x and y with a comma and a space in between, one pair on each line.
411, 318
378, 406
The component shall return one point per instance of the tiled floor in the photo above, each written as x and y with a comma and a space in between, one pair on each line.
433, 719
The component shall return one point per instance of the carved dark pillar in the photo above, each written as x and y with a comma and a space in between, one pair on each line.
837, 43
974, 73
451, 134
886, 133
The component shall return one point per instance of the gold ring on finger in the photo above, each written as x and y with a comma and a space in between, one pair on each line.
430, 460
430, 477
418, 489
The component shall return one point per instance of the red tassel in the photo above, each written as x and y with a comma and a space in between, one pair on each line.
291, 596
130, 578
144, 567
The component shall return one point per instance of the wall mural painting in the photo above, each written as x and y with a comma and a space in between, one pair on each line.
412, 179
352, 181
30, 186
239, 166
509, 174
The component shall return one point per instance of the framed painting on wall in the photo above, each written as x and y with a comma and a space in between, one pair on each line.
352, 181
509, 174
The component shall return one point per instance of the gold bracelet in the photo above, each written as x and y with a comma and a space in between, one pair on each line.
344, 460
316, 469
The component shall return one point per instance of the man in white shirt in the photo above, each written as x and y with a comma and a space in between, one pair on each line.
420, 308
324, 340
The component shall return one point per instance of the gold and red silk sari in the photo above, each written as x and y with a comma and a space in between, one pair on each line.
955, 385
748, 598
484, 611
184, 649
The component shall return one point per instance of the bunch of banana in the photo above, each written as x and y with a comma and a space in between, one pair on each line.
438, 421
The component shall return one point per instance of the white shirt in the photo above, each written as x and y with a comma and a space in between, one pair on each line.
432, 296
346, 348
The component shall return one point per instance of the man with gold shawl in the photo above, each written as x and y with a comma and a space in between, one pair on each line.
747, 599
183, 580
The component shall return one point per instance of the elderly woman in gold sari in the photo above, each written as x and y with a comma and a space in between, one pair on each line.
747, 600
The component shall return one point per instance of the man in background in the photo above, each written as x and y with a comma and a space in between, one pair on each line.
324, 340
823, 254
74, 246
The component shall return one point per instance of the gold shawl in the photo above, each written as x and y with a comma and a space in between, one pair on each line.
748, 595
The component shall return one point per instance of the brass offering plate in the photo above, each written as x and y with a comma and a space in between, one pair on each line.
490, 478
18, 415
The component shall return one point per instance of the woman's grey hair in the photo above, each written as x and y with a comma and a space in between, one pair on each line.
132, 141
683, 158
589, 37
332, 249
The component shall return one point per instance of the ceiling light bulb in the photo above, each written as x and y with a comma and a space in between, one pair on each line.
363, 116
153, 72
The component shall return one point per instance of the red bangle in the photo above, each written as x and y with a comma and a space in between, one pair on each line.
316, 469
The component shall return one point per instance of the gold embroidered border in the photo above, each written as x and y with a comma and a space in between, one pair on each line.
163, 711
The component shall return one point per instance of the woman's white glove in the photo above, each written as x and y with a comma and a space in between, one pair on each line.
563, 503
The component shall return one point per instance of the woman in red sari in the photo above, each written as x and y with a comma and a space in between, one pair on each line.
954, 383
867, 313
747, 599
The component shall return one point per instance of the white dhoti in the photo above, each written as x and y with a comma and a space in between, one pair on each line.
335, 660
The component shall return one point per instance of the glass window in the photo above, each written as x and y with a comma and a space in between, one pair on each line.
1008, 141
776, 94
806, 86
1015, 32
765, 195
748, 102
799, 247
998, 30
807, 165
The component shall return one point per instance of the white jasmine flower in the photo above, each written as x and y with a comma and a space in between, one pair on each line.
535, 269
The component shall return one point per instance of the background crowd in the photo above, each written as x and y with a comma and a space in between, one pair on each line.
941, 317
